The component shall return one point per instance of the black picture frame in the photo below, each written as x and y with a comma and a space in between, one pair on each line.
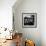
29, 20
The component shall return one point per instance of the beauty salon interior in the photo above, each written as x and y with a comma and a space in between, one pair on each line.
22, 22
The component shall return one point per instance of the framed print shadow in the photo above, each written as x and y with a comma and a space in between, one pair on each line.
29, 20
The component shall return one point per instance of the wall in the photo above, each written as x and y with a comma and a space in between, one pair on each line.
6, 13
43, 22
28, 6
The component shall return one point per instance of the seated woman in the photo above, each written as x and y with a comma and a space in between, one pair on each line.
18, 39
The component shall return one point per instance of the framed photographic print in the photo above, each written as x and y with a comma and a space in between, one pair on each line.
29, 20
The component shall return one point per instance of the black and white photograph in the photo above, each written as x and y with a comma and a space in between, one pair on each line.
29, 20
